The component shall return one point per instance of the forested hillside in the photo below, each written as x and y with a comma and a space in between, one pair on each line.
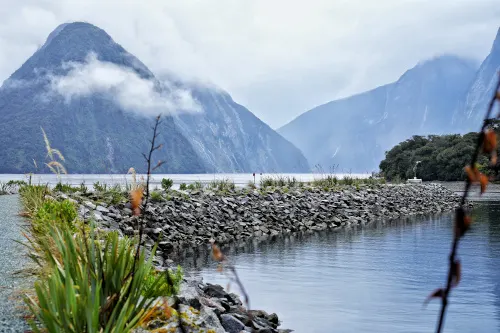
442, 157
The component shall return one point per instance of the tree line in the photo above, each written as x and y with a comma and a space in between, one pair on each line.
442, 157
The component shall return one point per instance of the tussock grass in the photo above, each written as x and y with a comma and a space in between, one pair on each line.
279, 181
93, 285
222, 185
33, 197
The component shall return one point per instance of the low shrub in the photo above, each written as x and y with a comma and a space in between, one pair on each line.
156, 196
195, 186
95, 284
62, 213
65, 188
167, 183
183, 187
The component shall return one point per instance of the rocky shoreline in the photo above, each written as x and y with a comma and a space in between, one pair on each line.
196, 218
207, 307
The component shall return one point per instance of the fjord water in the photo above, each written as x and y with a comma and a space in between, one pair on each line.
375, 278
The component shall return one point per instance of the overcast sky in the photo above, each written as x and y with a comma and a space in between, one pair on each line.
277, 57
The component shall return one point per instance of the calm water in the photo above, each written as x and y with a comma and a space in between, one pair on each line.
374, 279
371, 279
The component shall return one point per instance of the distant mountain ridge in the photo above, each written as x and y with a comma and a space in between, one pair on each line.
103, 128
353, 133
481, 89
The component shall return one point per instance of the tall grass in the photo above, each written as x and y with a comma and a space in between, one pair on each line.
89, 281
279, 181
86, 289
33, 197
222, 185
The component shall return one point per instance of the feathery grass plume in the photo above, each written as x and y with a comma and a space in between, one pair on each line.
55, 166
132, 172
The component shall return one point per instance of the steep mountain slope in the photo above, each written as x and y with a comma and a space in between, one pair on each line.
353, 133
229, 137
97, 102
481, 90
92, 131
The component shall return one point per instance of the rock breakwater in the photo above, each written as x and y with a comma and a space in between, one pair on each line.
198, 217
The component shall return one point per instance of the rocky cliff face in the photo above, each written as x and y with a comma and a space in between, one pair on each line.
481, 90
228, 137
353, 133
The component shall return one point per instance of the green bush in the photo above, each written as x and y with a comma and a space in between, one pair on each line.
65, 188
183, 187
94, 286
53, 212
156, 196
166, 183
197, 185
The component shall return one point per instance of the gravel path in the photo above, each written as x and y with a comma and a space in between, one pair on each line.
11, 260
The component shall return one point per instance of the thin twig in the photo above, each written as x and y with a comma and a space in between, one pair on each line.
139, 224
461, 210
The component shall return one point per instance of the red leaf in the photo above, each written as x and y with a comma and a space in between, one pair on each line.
489, 141
472, 174
217, 253
456, 271
438, 293
135, 200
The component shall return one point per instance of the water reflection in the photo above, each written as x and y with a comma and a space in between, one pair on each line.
371, 279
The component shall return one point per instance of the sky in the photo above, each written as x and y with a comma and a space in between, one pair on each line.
279, 58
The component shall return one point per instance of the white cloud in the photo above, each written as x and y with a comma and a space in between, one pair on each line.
277, 57
123, 85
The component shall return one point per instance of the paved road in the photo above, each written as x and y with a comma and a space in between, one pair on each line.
11, 260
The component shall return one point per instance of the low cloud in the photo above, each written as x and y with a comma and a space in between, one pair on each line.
122, 85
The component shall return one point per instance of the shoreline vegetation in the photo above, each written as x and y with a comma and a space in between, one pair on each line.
74, 229
102, 258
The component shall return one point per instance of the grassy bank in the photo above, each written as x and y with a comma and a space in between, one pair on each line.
87, 280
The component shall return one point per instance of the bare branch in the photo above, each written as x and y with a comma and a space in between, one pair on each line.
159, 164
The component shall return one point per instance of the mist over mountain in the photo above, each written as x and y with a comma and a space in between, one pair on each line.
481, 90
353, 133
97, 103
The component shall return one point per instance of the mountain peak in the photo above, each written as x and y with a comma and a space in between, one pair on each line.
77, 30
496, 42
73, 42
